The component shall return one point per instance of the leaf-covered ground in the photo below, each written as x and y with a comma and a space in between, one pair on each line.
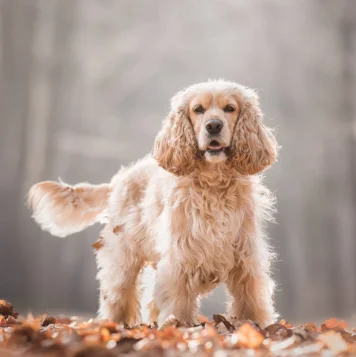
74, 337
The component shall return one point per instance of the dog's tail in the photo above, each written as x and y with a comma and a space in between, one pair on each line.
62, 209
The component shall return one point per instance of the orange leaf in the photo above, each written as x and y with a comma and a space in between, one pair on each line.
105, 334
285, 323
249, 337
334, 323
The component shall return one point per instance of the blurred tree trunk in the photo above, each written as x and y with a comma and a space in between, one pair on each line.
347, 230
17, 25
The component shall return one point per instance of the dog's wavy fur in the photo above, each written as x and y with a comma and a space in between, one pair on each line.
197, 223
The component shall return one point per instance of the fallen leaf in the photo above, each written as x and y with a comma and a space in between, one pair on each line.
303, 333
333, 341
283, 344
7, 309
334, 323
277, 331
249, 337
310, 327
47, 320
221, 319
98, 243
351, 348
10, 320
286, 324
76, 337
117, 229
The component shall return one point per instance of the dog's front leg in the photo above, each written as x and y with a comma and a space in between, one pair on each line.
249, 282
174, 294
251, 296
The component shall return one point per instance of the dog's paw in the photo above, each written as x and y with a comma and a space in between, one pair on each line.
172, 321
131, 326
194, 322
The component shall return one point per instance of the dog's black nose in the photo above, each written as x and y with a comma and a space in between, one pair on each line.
214, 126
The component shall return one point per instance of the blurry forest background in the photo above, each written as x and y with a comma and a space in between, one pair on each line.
85, 84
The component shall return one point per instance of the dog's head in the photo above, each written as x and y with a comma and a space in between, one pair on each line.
215, 122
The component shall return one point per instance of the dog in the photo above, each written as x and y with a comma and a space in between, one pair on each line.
194, 209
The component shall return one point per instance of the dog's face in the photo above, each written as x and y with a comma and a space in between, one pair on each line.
213, 117
215, 122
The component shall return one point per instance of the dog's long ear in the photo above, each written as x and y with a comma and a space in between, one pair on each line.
175, 147
254, 146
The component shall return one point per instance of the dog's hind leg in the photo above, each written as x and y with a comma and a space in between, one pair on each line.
148, 305
119, 266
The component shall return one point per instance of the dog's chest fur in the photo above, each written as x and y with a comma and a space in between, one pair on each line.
205, 225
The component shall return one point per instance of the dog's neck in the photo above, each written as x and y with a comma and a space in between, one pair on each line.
218, 175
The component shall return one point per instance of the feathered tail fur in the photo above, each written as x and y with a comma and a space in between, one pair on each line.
62, 209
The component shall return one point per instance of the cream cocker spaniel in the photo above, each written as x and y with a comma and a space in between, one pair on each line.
194, 210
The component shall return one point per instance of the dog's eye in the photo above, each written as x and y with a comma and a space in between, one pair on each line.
199, 109
229, 109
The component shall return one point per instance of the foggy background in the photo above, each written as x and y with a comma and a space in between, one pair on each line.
85, 84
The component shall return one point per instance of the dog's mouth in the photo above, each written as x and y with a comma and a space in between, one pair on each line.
216, 148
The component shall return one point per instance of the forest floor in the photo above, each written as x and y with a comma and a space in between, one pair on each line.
222, 336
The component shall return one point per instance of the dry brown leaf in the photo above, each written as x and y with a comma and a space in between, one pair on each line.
98, 243
75, 337
7, 309
348, 336
10, 320
47, 320
277, 331
117, 229
309, 326
221, 321
303, 334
